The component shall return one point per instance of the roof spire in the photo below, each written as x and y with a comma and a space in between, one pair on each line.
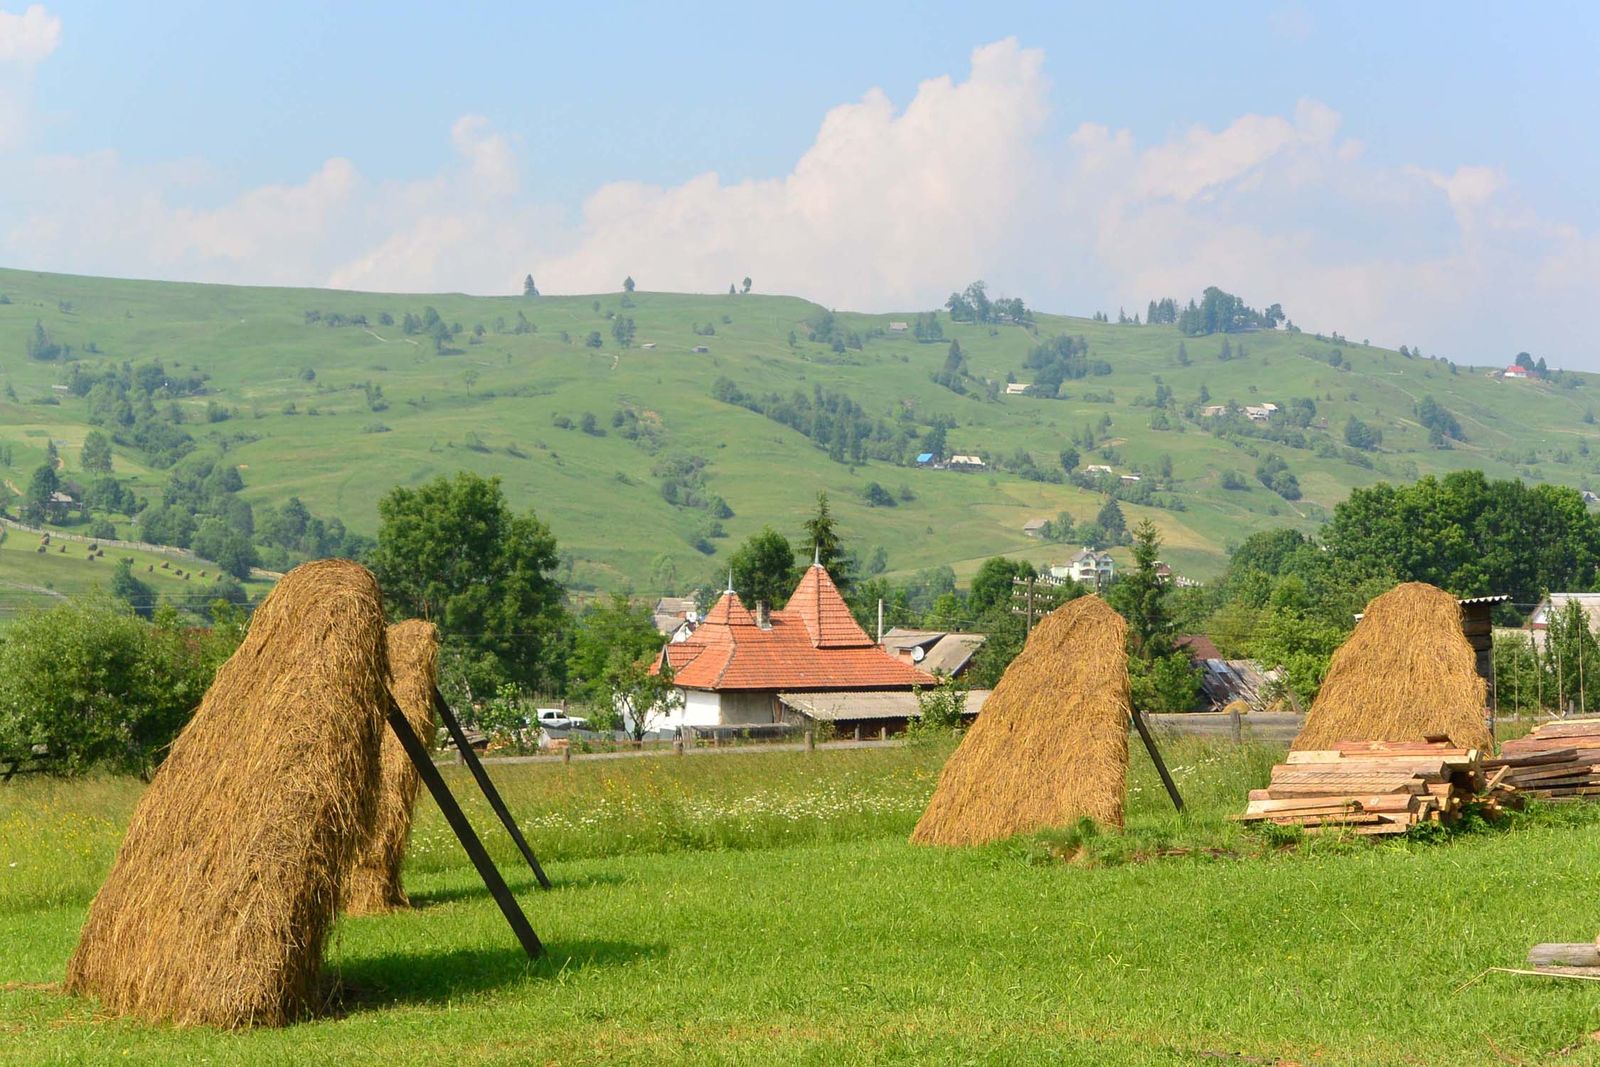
816, 555
730, 581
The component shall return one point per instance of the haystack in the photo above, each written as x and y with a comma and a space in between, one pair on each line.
373, 881
1405, 673
220, 899
1051, 746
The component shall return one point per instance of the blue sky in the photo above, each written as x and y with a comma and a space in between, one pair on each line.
1417, 173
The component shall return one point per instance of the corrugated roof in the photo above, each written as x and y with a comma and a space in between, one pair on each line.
872, 704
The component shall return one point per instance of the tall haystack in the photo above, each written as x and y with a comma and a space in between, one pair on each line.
1051, 746
373, 882
1405, 673
221, 897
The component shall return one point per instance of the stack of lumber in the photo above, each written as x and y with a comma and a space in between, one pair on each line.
1557, 760
1376, 787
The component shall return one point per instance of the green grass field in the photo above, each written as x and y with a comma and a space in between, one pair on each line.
766, 908
491, 407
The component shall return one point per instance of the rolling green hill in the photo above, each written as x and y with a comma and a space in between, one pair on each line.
298, 408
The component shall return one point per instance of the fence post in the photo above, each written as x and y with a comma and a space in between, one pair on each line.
858, 731
1236, 725
677, 747
811, 740
566, 752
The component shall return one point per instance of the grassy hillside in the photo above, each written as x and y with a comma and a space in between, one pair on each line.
492, 404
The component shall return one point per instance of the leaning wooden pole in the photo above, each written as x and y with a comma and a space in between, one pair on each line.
1155, 757
464, 833
490, 793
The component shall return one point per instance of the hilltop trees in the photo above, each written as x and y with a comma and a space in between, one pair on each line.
627, 284
1217, 312
528, 288
451, 551
974, 305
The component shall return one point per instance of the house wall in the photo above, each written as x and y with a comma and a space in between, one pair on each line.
748, 707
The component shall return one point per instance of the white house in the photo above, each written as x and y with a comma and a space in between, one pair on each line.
1514, 371
1017, 388
1094, 569
966, 461
1098, 468
898, 327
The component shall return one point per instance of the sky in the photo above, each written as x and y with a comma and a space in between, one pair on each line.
1419, 174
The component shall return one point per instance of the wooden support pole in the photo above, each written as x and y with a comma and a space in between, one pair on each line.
490, 793
464, 833
1155, 757
811, 740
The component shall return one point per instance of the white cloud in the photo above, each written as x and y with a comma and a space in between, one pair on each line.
885, 207
28, 37
891, 207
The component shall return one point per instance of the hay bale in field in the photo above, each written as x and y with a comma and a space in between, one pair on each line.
222, 894
372, 883
1405, 673
1051, 746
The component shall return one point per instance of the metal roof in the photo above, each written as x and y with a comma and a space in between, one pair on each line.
867, 704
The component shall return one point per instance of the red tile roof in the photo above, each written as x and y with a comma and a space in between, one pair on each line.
813, 643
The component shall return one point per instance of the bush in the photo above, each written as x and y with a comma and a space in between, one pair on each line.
98, 686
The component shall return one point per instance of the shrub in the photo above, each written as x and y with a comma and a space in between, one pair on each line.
98, 686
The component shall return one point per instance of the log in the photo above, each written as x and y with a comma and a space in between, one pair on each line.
1556, 954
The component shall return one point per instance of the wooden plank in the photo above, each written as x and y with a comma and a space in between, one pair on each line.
486, 785
464, 833
1155, 757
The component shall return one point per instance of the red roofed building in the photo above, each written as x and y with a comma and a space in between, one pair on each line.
732, 667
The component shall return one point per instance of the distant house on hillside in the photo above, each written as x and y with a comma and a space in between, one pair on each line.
1212, 411
966, 462
699, 348
924, 458
1515, 371
1098, 468
1260, 412
1091, 568
1017, 388
1131, 477
1035, 527
898, 327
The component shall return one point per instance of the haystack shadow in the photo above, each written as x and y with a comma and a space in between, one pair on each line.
373, 983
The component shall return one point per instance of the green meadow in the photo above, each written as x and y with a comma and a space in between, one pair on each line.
766, 908
304, 421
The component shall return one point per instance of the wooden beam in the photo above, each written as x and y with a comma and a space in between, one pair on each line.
464, 833
490, 793
1155, 757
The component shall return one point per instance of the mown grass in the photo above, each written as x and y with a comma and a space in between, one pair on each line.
823, 937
